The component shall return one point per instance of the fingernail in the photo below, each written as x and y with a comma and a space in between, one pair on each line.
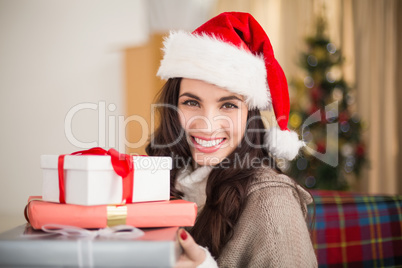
183, 235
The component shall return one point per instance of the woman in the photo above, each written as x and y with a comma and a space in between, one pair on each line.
249, 214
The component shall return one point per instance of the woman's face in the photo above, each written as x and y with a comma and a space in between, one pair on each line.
214, 120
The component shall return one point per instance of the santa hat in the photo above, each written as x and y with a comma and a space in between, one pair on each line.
233, 51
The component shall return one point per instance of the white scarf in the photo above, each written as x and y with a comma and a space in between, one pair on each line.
193, 184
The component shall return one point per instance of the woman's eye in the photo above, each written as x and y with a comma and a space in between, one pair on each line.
191, 103
229, 106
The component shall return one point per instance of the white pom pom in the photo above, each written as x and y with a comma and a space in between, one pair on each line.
283, 143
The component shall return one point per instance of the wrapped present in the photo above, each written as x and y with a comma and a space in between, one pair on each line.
141, 215
100, 177
25, 247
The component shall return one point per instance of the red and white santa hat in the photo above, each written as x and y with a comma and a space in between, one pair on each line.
233, 51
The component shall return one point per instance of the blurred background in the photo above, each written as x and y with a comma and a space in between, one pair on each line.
79, 74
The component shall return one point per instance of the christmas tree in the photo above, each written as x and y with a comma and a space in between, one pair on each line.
321, 110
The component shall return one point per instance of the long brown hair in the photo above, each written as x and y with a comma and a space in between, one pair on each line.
227, 184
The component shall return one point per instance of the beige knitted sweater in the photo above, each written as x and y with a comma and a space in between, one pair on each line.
272, 229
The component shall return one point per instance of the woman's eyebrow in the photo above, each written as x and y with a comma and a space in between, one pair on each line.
190, 95
226, 98
233, 97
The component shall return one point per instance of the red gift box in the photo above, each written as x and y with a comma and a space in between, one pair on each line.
141, 215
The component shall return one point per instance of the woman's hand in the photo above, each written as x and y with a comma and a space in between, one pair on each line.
192, 255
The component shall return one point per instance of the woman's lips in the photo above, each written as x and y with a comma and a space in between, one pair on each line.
207, 145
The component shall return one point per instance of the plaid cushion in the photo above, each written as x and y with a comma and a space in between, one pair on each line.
357, 230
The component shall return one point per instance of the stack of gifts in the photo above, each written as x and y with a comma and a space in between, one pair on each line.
98, 189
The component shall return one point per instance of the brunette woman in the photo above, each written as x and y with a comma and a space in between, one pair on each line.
219, 77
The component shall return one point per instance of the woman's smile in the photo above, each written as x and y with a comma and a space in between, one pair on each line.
207, 145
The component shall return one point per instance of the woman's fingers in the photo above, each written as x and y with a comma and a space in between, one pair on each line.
191, 249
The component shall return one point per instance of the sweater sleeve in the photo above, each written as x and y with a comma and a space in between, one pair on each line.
271, 232
209, 261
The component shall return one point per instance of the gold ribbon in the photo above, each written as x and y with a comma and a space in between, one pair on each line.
116, 215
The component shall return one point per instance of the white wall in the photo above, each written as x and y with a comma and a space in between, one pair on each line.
53, 56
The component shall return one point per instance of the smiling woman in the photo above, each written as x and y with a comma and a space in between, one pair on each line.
249, 214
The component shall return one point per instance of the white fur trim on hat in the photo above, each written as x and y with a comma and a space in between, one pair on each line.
217, 62
283, 143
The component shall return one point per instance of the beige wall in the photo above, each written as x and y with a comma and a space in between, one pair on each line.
54, 56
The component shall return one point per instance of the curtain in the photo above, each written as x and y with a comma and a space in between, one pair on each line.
375, 24
366, 31
399, 91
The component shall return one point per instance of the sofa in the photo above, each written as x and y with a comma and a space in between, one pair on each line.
356, 230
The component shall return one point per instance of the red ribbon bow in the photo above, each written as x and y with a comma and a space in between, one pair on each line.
122, 165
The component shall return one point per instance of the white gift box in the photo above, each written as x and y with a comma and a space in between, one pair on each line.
91, 179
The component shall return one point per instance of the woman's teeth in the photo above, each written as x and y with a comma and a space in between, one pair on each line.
209, 143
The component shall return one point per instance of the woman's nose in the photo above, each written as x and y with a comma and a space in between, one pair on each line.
210, 120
